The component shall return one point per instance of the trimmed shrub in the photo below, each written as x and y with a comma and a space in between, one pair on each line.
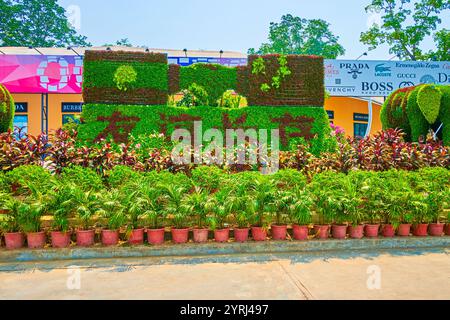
30, 179
296, 125
429, 101
7, 109
125, 77
418, 123
84, 178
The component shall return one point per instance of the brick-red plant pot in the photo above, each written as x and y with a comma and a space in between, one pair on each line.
300, 233
339, 231
85, 238
259, 234
404, 230
436, 229
420, 230
60, 239
200, 235
279, 232
371, 230
356, 232
388, 231
322, 231
241, 235
14, 240
222, 235
36, 240
180, 235
110, 237
136, 237
156, 236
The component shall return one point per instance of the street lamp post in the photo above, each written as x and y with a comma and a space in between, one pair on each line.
364, 54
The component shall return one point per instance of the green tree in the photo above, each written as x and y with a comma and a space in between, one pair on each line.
405, 25
294, 35
37, 23
125, 42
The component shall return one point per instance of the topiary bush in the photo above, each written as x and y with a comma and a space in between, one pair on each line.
7, 109
418, 109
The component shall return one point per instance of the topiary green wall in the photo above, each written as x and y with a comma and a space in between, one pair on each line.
413, 109
7, 109
299, 124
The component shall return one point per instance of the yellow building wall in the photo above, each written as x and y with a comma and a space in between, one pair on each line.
34, 110
55, 108
344, 109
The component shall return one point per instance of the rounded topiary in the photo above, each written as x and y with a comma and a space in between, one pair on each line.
124, 77
429, 101
7, 108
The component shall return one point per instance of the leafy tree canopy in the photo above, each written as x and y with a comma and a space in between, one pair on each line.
406, 24
37, 23
294, 35
122, 42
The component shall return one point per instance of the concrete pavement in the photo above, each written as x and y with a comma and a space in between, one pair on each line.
416, 276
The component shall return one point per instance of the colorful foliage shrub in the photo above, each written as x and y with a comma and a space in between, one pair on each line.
7, 109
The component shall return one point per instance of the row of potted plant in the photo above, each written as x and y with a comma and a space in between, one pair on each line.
356, 204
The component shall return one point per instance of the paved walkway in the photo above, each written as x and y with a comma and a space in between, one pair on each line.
424, 276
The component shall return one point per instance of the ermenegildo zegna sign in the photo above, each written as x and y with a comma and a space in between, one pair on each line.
380, 78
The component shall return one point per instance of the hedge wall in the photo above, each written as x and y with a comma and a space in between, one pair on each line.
303, 87
417, 109
296, 125
149, 87
7, 109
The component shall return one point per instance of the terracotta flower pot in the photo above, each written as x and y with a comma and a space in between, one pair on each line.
300, 232
222, 235
14, 240
436, 229
404, 230
156, 236
136, 237
85, 238
356, 232
371, 230
322, 232
259, 234
420, 230
60, 239
36, 240
388, 231
180, 235
339, 231
201, 235
110, 237
447, 229
279, 232
241, 235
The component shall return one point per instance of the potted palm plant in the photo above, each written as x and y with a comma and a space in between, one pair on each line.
242, 210
132, 206
301, 216
262, 193
86, 205
392, 215
196, 203
113, 212
61, 207
176, 209
282, 204
325, 211
30, 215
221, 210
153, 204
10, 226
422, 215
435, 211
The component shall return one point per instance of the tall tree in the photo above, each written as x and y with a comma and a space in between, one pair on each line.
122, 42
294, 35
37, 23
406, 24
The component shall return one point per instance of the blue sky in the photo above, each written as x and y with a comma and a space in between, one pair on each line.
213, 25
